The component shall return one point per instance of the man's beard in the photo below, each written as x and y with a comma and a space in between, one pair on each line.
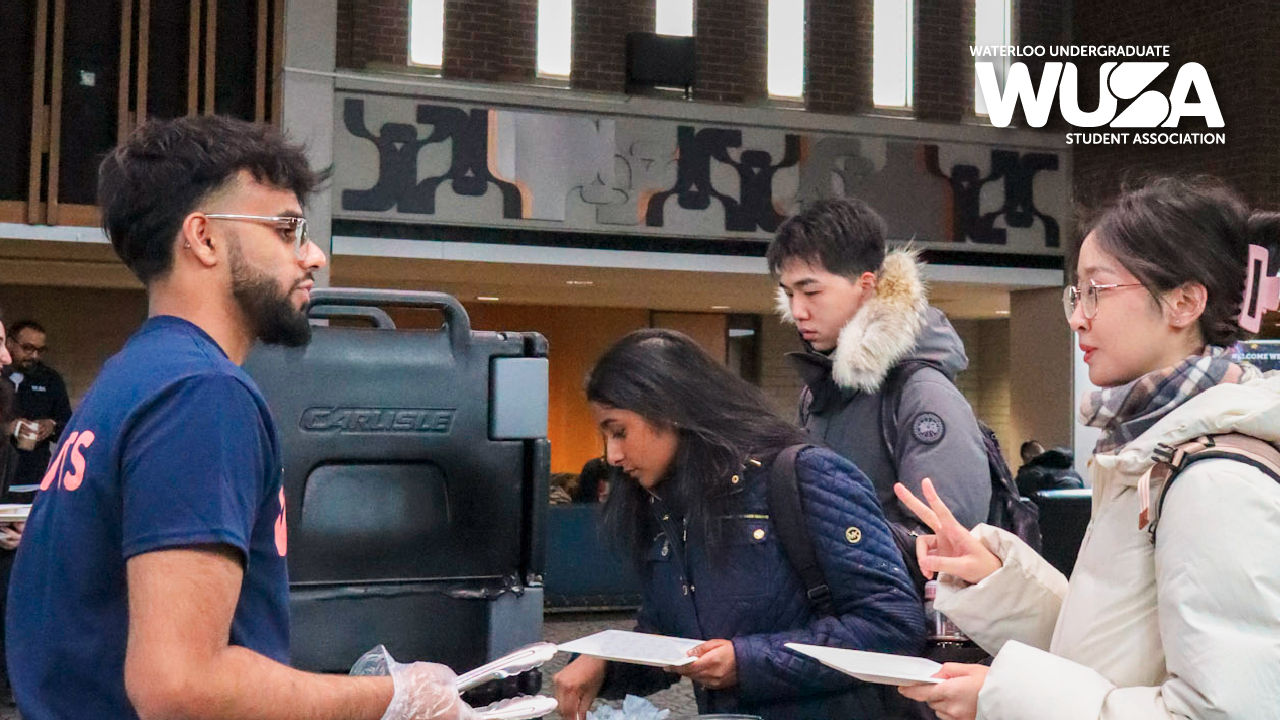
271, 315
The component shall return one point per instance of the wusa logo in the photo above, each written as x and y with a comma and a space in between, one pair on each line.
1191, 96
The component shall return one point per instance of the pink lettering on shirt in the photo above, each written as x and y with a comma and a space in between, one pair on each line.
72, 449
282, 532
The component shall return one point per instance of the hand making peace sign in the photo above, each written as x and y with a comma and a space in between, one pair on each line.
951, 549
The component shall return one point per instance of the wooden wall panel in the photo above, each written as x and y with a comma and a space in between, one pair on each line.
17, 72
577, 336
76, 76
707, 329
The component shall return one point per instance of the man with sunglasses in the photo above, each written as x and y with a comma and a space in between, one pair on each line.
42, 407
151, 579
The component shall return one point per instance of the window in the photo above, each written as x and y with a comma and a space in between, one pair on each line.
786, 48
993, 26
893, 46
555, 37
426, 33
675, 17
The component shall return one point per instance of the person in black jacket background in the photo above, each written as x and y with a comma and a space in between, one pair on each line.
1046, 469
593, 481
41, 398
695, 446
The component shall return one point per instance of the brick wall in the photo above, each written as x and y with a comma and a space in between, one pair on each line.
732, 47
600, 30
996, 399
372, 31
496, 41
944, 66
1040, 23
838, 53
778, 379
491, 40
345, 33
1237, 43
944, 75
986, 384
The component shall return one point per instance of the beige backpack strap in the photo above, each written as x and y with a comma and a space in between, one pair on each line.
1262, 453
1172, 460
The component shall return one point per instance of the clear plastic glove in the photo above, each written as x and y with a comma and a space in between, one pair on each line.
423, 691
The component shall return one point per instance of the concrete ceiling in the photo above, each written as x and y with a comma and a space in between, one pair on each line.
64, 264
618, 287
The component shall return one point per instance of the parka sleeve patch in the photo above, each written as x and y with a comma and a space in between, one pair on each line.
928, 428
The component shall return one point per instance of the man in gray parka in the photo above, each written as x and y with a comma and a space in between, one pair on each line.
863, 315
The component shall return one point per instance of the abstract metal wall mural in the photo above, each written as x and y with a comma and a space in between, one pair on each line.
409, 160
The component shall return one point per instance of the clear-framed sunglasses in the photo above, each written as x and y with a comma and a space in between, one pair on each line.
292, 228
1073, 296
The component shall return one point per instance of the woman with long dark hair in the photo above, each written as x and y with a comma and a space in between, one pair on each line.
1173, 609
694, 446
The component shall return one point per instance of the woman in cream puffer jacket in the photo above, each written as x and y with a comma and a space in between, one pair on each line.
1188, 627
1182, 626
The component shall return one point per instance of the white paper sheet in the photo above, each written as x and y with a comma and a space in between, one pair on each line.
633, 647
14, 512
880, 668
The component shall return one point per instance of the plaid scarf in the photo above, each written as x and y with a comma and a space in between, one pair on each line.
1126, 411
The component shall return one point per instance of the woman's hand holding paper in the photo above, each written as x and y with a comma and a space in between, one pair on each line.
957, 697
716, 667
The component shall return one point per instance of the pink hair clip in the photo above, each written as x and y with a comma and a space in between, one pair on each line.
1261, 291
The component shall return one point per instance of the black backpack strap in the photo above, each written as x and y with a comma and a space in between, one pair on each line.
1243, 448
788, 522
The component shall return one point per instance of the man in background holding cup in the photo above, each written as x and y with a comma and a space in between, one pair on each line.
42, 407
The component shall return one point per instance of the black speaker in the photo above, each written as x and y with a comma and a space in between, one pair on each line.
655, 60
1064, 518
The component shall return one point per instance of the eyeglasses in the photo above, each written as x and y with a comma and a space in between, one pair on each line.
30, 349
1073, 296
293, 225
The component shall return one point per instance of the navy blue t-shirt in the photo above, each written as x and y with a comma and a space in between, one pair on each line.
173, 446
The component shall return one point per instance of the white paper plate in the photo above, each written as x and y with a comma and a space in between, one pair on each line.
633, 647
15, 512
879, 668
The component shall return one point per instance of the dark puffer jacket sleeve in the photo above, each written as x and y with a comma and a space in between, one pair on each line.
623, 679
875, 604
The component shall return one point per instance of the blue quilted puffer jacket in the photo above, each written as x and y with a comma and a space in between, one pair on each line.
736, 582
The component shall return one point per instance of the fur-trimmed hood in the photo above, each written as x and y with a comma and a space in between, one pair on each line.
896, 324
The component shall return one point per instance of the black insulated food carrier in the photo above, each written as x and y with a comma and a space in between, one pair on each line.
415, 472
